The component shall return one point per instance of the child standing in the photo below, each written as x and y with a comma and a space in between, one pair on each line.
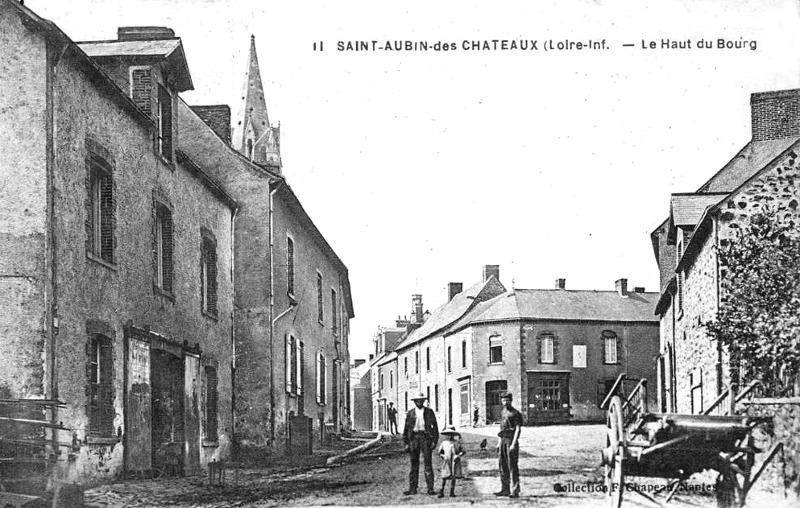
451, 452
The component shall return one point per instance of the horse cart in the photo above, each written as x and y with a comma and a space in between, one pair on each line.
675, 446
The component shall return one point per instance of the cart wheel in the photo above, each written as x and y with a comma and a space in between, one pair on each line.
615, 446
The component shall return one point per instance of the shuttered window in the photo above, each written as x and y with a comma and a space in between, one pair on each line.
141, 87
164, 123
334, 321
610, 347
211, 396
100, 207
290, 266
208, 274
164, 248
100, 406
495, 349
320, 309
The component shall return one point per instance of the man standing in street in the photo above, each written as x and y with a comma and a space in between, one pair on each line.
420, 434
508, 445
391, 412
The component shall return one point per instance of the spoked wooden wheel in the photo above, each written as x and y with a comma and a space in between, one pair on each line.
614, 453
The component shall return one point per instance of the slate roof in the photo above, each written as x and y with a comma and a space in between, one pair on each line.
686, 209
750, 159
170, 50
563, 305
448, 313
159, 48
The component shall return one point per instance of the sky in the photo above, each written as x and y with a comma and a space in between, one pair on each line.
420, 167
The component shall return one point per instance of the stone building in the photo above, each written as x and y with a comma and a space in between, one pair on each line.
293, 300
694, 368
117, 294
557, 351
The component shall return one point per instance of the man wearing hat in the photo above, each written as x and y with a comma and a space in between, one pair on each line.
420, 434
508, 446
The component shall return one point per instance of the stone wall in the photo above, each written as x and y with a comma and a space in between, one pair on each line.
784, 470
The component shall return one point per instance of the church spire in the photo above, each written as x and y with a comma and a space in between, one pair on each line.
253, 136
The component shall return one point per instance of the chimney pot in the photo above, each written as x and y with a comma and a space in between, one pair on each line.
621, 286
638, 289
453, 288
775, 114
561, 283
489, 270
144, 33
218, 117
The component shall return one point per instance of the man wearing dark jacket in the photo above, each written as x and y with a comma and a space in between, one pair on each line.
420, 434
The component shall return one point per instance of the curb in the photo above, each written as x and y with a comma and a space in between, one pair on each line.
358, 449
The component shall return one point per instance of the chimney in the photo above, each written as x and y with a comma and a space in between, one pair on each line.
638, 289
775, 115
621, 286
453, 288
359, 362
144, 33
416, 302
217, 117
489, 270
561, 283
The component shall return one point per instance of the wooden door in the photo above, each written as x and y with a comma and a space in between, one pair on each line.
191, 407
138, 410
494, 407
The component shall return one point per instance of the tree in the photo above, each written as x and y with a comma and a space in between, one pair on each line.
759, 314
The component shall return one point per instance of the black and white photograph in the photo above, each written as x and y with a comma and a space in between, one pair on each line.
416, 253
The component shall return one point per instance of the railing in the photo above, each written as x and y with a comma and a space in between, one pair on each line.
722, 405
636, 403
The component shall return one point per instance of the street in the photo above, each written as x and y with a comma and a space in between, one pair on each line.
558, 467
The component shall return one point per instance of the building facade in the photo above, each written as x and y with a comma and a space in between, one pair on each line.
118, 297
557, 351
293, 298
695, 369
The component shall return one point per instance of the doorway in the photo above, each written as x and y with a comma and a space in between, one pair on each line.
494, 407
167, 378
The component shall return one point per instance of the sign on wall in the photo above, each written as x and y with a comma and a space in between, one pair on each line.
579, 357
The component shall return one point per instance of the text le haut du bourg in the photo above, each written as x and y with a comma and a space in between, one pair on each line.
538, 45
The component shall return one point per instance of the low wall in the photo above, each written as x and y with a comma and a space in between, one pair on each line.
784, 470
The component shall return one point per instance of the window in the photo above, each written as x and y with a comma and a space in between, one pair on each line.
320, 310
291, 364
428, 358
290, 266
101, 386
250, 149
334, 323
406, 397
164, 248
416, 362
300, 367
391, 379
696, 383
495, 349
436, 398
610, 345
449, 359
321, 374
101, 210
380, 382
547, 348
208, 274
164, 123
210, 427
428, 394
679, 279
463, 354
141, 86
405, 366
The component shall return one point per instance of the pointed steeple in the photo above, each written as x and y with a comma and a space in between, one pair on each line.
253, 136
